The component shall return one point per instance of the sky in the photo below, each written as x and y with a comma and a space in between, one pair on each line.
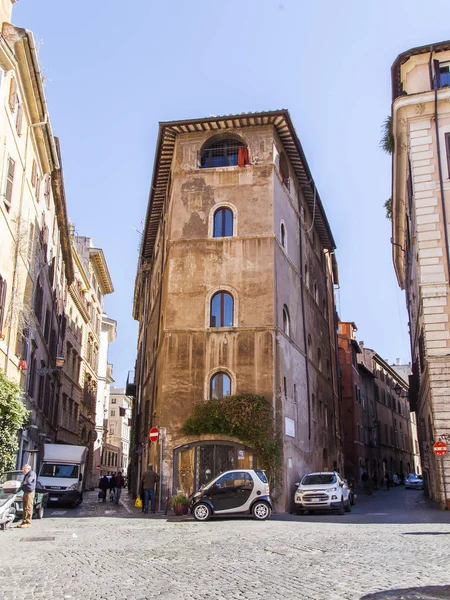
115, 69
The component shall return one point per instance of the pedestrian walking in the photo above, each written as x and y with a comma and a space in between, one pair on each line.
112, 486
104, 486
150, 478
120, 482
29, 489
388, 481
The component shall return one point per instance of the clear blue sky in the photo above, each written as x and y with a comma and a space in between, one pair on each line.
115, 69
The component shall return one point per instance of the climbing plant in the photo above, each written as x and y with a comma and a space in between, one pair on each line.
387, 142
388, 207
13, 416
247, 417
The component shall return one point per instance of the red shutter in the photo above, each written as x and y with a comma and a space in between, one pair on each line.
10, 180
13, 95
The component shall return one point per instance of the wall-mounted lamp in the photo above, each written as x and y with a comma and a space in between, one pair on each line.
59, 364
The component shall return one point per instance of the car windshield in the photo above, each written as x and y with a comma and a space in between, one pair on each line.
319, 479
59, 470
11, 475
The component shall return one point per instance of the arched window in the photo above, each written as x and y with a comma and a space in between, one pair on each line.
223, 223
309, 346
306, 276
222, 153
283, 235
286, 321
220, 386
319, 358
221, 310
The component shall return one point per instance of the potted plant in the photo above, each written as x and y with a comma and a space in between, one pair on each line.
180, 504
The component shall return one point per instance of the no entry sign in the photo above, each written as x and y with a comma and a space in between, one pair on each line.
440, 448
153, 434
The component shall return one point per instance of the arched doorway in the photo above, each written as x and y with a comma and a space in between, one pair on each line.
197, 463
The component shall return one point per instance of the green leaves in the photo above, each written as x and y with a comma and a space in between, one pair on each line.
245, 416
387, 142
13, 416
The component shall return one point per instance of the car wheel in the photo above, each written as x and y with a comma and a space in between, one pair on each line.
341, 509
261, 511
352, 501
347, 507
201, 512
39, 512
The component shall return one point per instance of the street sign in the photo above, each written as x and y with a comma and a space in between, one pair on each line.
440, 448
153, 434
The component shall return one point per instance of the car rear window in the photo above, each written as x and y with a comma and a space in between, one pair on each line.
319, 479
262, 476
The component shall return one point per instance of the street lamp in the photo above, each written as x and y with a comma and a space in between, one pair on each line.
59, 364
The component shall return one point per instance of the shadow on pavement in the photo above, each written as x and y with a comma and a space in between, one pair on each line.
435, 592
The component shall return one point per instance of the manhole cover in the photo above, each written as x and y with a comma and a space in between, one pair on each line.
37, 539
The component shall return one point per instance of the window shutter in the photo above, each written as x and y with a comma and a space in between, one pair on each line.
13, 94
437, 75
31, 242
10, 180
34, 174
38, 188
3, 287
19, 119
47, 190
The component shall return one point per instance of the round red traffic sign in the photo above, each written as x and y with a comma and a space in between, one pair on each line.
98, 467
153, 434
440, 448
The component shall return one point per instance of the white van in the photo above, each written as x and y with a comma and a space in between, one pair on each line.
62, 473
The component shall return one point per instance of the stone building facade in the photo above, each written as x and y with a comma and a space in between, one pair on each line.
119, 416
420, 202
234, 294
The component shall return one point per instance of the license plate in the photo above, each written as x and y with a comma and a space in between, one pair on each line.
314, 499
53, 499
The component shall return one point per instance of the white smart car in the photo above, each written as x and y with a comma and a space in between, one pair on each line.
322, 491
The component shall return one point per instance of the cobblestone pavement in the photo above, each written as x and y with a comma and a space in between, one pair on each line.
393, 545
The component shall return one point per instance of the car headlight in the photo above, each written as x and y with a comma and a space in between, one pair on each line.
39, 484
331, 489
74, 486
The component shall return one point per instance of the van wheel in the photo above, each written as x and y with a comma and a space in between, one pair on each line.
261, 511
202, 512
341, 509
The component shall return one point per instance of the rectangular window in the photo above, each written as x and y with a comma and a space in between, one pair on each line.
9, 182
113, 413
285, 387
113, 400
38, 189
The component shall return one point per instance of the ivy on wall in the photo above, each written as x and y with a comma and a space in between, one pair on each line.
247, 417
13, 416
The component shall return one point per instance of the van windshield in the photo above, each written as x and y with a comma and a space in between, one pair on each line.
319, 479
59, 470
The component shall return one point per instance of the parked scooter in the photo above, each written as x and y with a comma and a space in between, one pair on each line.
8, 497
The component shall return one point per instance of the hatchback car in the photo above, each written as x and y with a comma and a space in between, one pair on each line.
414, 482
244, 492
322, 491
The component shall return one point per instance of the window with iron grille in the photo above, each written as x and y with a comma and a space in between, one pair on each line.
223, 153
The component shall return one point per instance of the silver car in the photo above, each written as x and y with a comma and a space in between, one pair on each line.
322, 491
414, 482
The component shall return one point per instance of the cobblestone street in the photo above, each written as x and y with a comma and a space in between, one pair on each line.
392, 545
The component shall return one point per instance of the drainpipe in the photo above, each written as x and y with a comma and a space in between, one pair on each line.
331, 355
302, 293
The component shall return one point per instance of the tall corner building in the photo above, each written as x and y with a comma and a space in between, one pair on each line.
421, 198
234, 295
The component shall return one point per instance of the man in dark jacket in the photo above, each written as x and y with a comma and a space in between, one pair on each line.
29, 489
104, 486
120, 482
150, 478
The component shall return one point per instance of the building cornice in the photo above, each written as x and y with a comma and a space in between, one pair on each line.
168, 132
98, 260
